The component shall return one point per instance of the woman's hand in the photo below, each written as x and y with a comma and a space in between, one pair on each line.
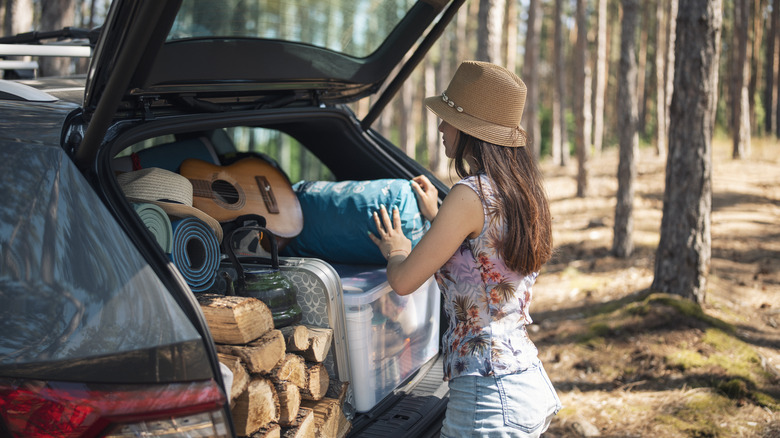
391, 239
427, 196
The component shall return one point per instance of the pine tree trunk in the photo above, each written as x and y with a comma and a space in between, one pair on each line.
771, 107
622, 244
660, 82
741, 121
443, 76
405, 128
600, 77
581, 101
531, 77
559, 147
671, 43
490, 22
755, 59
509, 47
461, 40
432, 142
682, 262
17, 18
641, 88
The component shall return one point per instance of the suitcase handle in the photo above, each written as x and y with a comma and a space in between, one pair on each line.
227, 247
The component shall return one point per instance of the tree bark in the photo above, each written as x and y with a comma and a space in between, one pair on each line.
741, 107
531, 77
432, 143
671, 43
755, 59
660, 81
406, 130
490, 22
600, 77
581, 101
509, 45
682, 262
56, 14
641, 87
622, 243
17, 18
461, 40
559, 148
771, 74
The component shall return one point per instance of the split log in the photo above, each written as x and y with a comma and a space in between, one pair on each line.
296, 337
240, 375
338, 390
291, 369
289, 402
317, 381
235, 320
344, 425
271, 430
260, 355
327, 413
303, 427
320, 339
256, 407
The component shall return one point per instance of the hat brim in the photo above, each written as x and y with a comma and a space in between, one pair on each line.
181, 211
480, 129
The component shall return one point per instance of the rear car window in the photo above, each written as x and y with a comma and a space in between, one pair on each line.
355, 28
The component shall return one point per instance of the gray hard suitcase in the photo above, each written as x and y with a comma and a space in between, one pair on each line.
320, 297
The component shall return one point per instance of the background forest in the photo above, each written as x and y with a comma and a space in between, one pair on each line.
567, 51
656, 124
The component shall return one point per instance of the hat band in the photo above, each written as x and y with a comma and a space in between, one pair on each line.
450, 102
517, 132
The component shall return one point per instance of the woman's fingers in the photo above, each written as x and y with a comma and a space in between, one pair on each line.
386, 225
379, 227
396, 219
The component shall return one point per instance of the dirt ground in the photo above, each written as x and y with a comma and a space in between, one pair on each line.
631, 363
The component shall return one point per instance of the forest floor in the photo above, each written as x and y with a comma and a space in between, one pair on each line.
630, 363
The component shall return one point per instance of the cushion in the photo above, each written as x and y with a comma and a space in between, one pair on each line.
337, 217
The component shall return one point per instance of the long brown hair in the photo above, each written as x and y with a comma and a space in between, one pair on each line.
522, 199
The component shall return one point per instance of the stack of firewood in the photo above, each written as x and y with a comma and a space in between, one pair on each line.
279, 381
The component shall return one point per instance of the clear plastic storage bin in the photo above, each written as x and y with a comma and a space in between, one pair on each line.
389, 336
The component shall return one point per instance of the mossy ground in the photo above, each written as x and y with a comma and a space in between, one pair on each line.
636, 363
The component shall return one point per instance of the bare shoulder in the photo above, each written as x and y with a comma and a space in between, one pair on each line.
464, 207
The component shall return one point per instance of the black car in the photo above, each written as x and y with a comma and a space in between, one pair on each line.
99, 334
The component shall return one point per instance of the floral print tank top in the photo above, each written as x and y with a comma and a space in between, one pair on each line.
487, 304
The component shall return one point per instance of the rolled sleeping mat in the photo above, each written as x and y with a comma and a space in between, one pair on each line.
157, 222
195, 252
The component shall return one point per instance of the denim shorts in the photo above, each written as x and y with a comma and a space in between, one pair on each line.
512, 405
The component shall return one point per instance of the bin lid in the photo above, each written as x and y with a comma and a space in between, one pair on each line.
363, 284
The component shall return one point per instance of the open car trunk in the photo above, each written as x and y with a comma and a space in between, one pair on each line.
308, 144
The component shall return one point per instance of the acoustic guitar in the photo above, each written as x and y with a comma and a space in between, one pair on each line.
248, 186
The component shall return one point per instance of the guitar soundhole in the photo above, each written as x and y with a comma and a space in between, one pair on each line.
225, 192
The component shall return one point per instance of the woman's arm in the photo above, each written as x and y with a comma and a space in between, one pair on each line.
459, 217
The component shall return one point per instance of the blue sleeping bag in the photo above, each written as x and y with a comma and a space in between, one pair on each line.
337, 217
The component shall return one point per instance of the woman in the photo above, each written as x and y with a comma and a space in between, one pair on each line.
486, 246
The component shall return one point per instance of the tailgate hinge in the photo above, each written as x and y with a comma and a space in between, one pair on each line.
146, 103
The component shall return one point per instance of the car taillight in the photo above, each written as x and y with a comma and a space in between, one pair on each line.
32, 408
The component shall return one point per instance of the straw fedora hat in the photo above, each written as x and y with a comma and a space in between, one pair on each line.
485, 101
168, 190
